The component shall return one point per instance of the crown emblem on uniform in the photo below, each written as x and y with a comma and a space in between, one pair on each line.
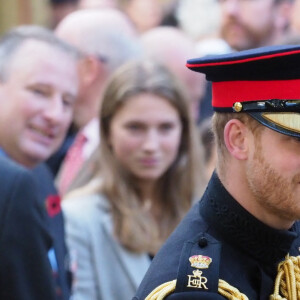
200, 261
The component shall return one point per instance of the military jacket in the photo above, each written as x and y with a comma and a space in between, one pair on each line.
219, 239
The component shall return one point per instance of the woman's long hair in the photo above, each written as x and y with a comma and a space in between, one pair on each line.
135, 226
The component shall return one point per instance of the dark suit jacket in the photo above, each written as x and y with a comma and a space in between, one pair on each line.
48, 197
25, 272
54, 162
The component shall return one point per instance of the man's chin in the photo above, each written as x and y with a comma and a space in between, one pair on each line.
237, 40
37, 156
238, 45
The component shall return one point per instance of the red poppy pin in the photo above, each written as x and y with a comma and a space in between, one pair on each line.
53, 205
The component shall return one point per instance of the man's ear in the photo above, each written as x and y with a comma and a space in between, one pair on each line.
236, 137
89, 68
283, 15
2, 87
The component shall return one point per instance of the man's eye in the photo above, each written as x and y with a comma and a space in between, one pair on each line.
68, 101
294, 139
39, 92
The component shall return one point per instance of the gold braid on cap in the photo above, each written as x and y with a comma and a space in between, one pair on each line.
287, 284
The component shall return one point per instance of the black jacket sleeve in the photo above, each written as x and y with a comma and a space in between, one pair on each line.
25, 272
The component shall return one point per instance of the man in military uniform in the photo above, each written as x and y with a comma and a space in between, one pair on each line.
241, 241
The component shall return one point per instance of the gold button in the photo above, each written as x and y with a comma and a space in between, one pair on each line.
237, 106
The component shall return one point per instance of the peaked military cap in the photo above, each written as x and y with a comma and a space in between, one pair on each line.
263, 82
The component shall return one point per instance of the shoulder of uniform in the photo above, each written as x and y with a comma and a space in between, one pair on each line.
198, 274
199, 263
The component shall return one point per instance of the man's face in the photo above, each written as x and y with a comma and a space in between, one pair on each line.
36, 100
274, 177
248, 24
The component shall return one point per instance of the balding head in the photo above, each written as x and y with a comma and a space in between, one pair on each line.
83, 4
173, 48
106, 39
101, 32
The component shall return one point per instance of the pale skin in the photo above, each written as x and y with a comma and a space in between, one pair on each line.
263, 173
145, 135
249, 24
295, 22
93, 73
37, 100
145, 14
171, 47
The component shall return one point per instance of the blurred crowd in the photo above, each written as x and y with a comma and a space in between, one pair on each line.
112, 134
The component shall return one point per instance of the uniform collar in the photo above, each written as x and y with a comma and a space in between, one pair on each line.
236, 226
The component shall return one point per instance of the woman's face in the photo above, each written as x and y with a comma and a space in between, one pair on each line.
145, 135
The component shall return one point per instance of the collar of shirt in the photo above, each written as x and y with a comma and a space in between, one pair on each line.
3, 153
92, 133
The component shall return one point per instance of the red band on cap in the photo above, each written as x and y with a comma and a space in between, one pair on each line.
226, 93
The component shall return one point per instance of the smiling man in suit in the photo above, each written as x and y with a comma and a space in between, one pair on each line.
38, 88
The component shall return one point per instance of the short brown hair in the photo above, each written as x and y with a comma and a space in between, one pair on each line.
218, 124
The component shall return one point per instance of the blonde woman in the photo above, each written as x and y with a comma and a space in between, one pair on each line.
149, 176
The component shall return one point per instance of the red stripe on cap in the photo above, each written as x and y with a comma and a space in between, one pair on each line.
226, 93
243, 60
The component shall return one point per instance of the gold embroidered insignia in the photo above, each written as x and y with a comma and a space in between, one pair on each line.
200, 261
197, 280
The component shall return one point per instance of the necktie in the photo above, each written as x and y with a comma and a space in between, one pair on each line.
72, 163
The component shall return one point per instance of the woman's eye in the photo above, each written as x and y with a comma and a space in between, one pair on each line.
134, 127
166, 127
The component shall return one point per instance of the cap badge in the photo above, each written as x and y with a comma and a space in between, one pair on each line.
200, 261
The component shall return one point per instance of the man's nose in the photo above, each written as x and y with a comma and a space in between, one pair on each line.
54, 110
230, 7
